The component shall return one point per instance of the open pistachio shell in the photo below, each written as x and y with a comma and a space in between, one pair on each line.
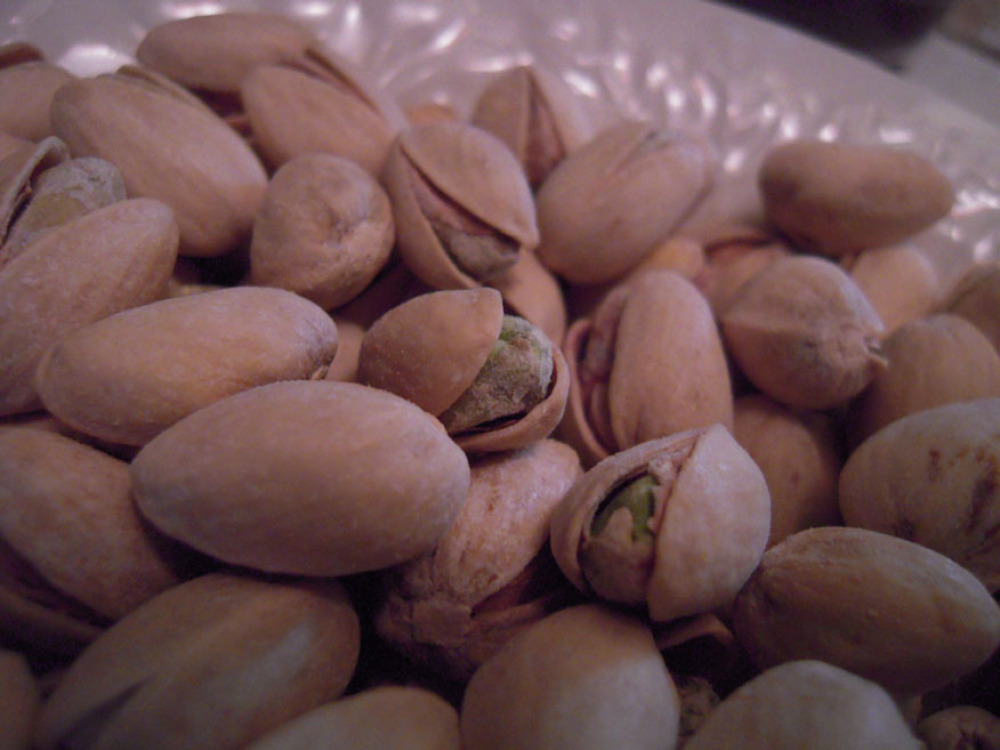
18, 171
463, 208
530, 290
650, 545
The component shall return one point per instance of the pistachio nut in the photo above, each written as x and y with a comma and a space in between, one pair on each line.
463, 207
586, 677
799, 453
648, 364
900, 281
974, 295
804, 333
841, 198
214, 663
933, 478
609, 203
111, 259
247, 479
19, 172
806, 703
490, 575
679, 253
189, 159
319, 102
324, 230
933, 360
675, 524
960, 727
495, 381
128, 377
402, 718
20, 698
424, 113
28, 87
531, 291
535, 113
11, 143
887, 609
344, 366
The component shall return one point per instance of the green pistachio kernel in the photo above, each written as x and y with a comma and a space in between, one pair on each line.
638, 497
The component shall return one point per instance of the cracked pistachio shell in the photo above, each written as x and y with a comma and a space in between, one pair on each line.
128, 377
324, 231
28, 88
489, 576
586, 677
534, 293
605, 208
932, 361
536, 115
213, 663
841, 198
167, 146
61, 500
806, 704
248, 479
700, 542
420, 720
884, 608
648, 364
19, 170
322, 103
215, 53
20, 698
933, 478
480, 195
804, 333
112, 259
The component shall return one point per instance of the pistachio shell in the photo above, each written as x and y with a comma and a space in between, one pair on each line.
973, 296
960, 727
128, 377
216, 662
28, 89
18, 171
248, 479
191, 160
11, 143
117, 257
531, 291
20, 698
900, 281
583, 678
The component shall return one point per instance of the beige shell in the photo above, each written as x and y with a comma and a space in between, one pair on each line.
248, 479
128, 377
473, 172
608, 204
585, 678
18, 171
324, 230
211, 664
530, 290
889, 610
974, 296
191, 160
732, 259
900, 281
28, 88
933, 478
710, 529
452, 609
117, 257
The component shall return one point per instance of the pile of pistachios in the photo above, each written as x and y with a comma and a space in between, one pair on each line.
326, 422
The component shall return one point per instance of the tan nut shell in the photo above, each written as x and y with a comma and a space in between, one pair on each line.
884, 608
900, 281
471, 168
17, 174
28, 89
305, 477
117, 257
933, 478
211, 664
391, 717
170, 149
585, 678
20, 698
128, 377
974, 296
713, 530
533, 293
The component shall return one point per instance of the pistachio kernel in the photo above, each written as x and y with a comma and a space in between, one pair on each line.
515, 378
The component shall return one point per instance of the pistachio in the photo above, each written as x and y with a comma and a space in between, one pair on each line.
20, 698
841, 198
960, 727
536, 115
584, 677
633, 528
733, 256
803, 332
887, 609
28, 88
973, 296
324, 231
806, 704
215, 662
463, 208
900, 281
11, 143
19, 171
608, 204
531, 291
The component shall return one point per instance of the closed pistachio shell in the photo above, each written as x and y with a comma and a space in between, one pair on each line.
933, 478
585, 678
248, 479
900, 281
841, 198
20, 698
28, 89
400, 718
117, 257
128, 377
213, 663
188, 158
974, 297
